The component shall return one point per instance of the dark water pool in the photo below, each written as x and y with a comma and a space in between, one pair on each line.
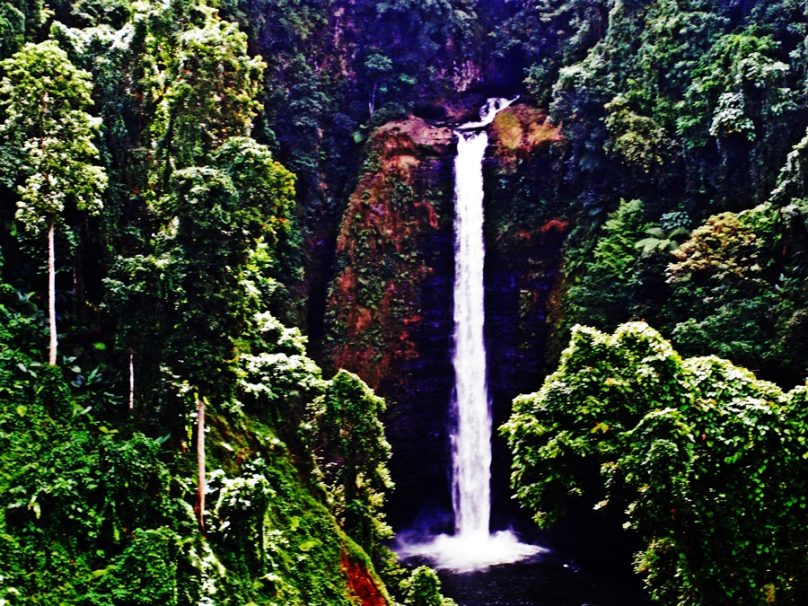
544, 580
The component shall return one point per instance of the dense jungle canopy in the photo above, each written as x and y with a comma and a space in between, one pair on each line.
225, 304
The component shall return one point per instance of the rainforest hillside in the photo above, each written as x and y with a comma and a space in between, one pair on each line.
226, 307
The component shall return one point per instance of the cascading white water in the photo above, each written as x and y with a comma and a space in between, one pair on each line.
471, 440
472, 546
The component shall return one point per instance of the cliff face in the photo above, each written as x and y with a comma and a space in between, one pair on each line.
390, 301
338, 68
525, 229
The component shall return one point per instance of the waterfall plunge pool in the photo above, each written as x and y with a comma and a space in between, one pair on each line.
499, 570
468, 552
543, 580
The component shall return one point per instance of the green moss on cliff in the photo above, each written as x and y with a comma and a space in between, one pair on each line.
399, 203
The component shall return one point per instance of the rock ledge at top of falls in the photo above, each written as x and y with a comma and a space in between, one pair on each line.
517, 131
407, 135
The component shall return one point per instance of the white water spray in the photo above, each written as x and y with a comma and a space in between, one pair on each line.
472, 546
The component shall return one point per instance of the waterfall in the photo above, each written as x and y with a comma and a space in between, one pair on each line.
471, 439
472, 547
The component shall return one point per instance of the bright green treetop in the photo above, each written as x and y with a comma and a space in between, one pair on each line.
45, 99
202, 85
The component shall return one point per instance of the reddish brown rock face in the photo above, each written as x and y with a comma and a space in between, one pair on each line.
519, 132
362, 588
391, 218
389, 306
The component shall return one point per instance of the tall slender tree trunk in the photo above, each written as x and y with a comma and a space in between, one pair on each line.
372, 100
52, 295
131, 379
200, 461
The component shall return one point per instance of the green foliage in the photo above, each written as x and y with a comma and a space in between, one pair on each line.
44, 98
88, 13
23, 20
21, 332
637, 139
182, 233
198, 84
146, 572
195, 239
266, 188
95, 514
422, 588
279, 380
658, 240
278, 543
688, 101
75, 492
213, 95
703, 459
737, 284
735, 86
353, 453
202, 249
606, 293
217, 228
12, 29
550, 34
791, 182
725, 248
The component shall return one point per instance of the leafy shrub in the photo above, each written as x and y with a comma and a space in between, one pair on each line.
422, 588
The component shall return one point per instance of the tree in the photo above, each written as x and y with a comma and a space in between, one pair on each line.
605, 293
202, 248
422, 588
12, 29
353, 454
739, 100
203, 88
792, 181
266, 189
636, 139
279, 381
213, 220
50, 138
702, 460
378, 66
735, 88
738, 289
